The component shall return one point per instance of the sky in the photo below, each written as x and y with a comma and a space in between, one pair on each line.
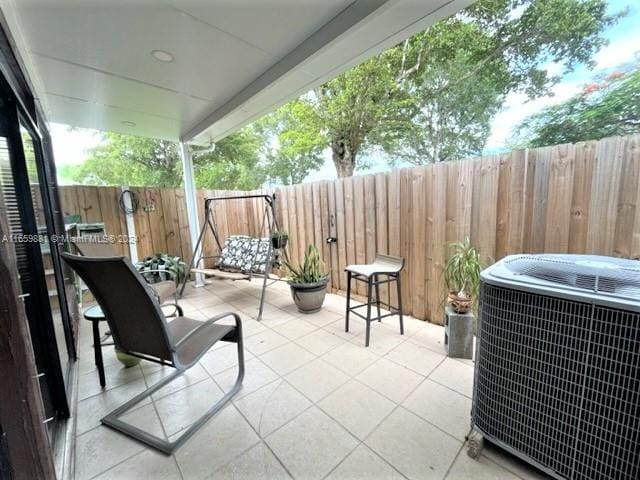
70, 146
624, 43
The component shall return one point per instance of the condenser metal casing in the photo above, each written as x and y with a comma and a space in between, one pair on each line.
557, 378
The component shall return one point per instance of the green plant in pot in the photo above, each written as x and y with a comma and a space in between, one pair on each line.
160, 267
279, 239
308, 281
462, 275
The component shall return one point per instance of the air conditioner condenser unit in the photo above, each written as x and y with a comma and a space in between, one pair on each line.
557, 377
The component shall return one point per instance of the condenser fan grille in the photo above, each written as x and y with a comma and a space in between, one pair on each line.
558, 381
613, 276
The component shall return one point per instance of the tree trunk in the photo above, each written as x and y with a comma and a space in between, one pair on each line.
343, 158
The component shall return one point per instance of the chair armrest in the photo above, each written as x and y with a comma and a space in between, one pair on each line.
209, 322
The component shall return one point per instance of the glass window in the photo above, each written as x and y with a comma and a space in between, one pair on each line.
48, 243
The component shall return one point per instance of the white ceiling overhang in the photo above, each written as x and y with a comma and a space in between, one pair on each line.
90, 61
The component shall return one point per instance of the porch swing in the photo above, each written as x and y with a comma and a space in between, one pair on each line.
241, 257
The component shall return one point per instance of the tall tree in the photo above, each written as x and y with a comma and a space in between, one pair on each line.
453, 108
604, 108
234, 163
293, 153
432, 98
364, 107
127, 159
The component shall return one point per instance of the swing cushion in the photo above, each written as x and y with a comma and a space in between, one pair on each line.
242, 253
232, 253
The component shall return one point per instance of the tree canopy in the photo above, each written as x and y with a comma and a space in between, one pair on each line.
432, 98
234, 164
604, 108
130, 160
292, 154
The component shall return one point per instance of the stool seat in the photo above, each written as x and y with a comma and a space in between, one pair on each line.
94, 314
383, 264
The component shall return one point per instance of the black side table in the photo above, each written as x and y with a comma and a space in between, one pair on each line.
95, 316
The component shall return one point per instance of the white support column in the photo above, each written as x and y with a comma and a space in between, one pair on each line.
131, 224
191, 200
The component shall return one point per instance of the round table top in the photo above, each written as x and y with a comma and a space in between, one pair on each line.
94, 313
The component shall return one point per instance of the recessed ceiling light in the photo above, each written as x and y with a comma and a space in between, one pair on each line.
128, 123
162, 56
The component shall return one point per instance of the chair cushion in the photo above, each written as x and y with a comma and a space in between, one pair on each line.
244, 254
192, 349
164, 291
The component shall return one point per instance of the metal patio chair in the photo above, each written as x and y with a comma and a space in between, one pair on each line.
166, 291
140, 329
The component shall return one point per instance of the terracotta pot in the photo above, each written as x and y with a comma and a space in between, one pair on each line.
461, 304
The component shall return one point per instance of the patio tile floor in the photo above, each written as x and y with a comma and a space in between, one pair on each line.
315, 402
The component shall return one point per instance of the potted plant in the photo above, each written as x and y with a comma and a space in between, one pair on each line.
462, 275
308, 282
279, 239
160, 267
127, 360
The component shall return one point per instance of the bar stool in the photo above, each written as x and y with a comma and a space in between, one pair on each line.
384, 265
95, 316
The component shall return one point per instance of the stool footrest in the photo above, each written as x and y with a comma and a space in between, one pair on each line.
391, 308
373, 319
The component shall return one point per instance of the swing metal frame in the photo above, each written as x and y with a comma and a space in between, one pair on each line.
269, 219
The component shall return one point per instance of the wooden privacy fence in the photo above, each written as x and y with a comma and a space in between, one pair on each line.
582, 198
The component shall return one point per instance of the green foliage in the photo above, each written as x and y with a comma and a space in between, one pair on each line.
603, 109
297, 151
160, 267
279, 239
280, 236
312, 269
454, 108
462, 268
364, 108
131, 160
234, 164
140, 161
433, 97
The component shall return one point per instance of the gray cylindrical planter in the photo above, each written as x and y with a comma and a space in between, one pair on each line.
309, 297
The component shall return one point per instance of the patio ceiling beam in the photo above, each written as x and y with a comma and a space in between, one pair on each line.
341, 23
